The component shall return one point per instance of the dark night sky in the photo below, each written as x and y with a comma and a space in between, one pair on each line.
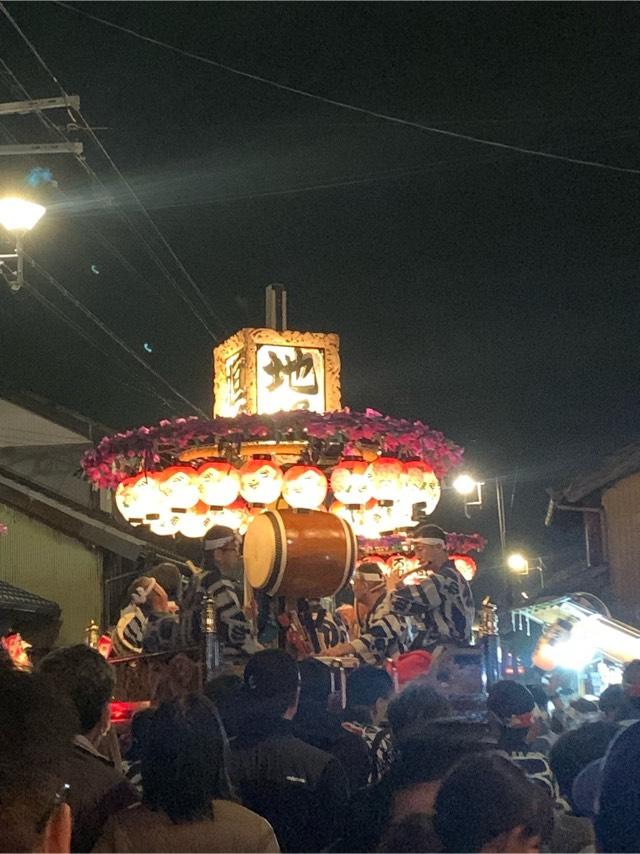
491, 294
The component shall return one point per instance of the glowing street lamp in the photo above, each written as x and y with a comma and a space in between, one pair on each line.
18, 216
464, 484
518, 563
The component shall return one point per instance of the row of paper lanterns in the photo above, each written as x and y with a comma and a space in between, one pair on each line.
374, 497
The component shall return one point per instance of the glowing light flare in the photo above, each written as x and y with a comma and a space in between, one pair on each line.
260, 480
464, 484
304, 487
18, 215
218, 483
518, 563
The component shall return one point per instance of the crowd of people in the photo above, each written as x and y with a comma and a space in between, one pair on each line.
270, 762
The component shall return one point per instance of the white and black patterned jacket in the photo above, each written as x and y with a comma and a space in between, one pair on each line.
441, 608
383, 633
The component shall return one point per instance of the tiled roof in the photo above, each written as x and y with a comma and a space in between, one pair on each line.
15, 599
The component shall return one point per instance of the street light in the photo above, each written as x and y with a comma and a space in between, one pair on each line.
464, 484
518, 563
17, 216
471, 491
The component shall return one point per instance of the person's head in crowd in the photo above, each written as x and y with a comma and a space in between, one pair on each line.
369, 690
149, 595
575, 749
36, 728
419, 765
175, 679
617, 823
410, 666
224, 691
511, 706
184, 759
429, 543
416, 705
369, 583
83, 675
272, 684
413, 833
610, 702
315, 684
221, 551
138, 734
630, 708
487, 804
540, 698
169, 578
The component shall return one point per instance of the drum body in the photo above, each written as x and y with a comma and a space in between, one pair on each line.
299, 554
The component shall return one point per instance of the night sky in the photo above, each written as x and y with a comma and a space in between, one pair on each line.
489, 293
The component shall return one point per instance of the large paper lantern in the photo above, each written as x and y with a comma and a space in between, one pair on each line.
352, 482
137, 497
421, 486
465, 565
260, 480
179, 486
196, 522
218, 483
304, 487
234, 516
387, 474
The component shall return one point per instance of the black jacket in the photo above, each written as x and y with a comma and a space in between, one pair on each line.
317, 726
302, 791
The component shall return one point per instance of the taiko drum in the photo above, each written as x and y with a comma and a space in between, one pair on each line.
299, 554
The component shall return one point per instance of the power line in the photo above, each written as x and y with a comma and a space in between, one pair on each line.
68, 321
82, 160
345, 106
104, 328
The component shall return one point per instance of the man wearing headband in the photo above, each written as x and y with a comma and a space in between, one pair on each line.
440, 606
383, 633
220, 579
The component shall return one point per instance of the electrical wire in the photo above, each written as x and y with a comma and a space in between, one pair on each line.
104, 328
83, 162
68, 321
283, 87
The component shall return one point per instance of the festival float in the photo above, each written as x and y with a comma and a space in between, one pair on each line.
311, 485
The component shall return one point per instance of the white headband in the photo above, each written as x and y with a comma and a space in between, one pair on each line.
428, 541
140, 595
370, 575
210, 545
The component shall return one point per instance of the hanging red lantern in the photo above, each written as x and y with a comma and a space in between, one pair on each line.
196, 521
421, 485
218, 483
304, 487
234, 516
352, 482
388, 479
465, 565
138, 497
260, 480
179, 486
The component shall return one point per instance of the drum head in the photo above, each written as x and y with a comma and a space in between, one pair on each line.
259, 551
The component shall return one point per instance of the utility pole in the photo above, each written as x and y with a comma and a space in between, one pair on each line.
16, 218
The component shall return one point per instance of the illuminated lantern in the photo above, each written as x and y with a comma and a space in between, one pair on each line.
196, 522
388, 478
304, 487
421, 485
352, 482
465, 565
234, 516
218, 483
377, 519
179, 486
139, 496
260, 480
166, 525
